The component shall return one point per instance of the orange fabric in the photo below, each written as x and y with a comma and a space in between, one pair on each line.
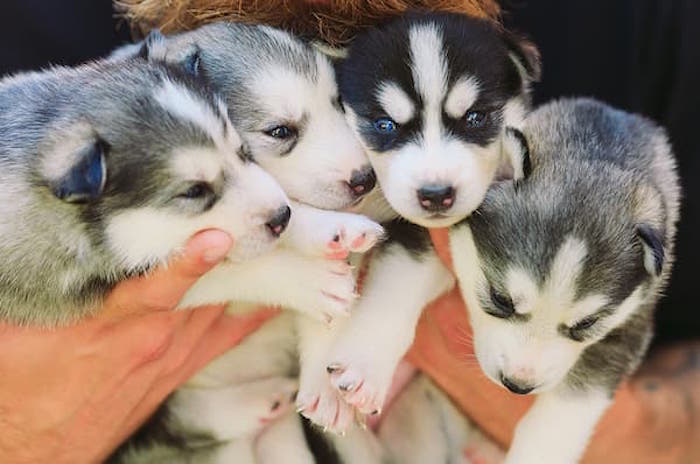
655, 425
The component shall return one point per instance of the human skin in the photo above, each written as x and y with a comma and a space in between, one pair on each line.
655, 417
73, 394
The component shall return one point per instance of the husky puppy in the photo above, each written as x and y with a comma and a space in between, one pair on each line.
282, 95
561, 271
106, 170
430, 97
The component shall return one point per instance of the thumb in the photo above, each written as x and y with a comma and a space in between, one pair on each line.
163, 289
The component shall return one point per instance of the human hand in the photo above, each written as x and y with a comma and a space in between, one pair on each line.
73, 394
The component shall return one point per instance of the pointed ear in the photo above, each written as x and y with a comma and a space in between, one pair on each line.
525, 55
515, 158
152, 40
654, 251
85, 179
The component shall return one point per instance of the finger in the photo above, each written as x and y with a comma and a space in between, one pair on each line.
226, 332
163, 289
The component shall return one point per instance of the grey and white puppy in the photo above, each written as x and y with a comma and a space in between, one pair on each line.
561, 271
282, 95
106, 170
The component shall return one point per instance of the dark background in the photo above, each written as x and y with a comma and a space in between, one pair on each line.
640, 55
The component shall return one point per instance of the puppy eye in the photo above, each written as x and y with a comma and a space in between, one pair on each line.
585, 323
475, 119
281, 132
504, 305
196, 191
385, 126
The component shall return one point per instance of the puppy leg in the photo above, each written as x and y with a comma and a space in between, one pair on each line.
557, 427
424, 426
318, 400
283, 442
330, 234
398, 285
321, 288
236, 411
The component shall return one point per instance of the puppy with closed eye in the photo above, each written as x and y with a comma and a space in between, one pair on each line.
561, 271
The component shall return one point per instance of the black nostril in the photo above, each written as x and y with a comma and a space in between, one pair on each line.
362, 181
279, 221
436, 197
515, 387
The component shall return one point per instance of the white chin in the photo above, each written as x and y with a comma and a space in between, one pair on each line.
435, 222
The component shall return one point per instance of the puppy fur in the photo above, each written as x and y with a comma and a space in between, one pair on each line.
561, 271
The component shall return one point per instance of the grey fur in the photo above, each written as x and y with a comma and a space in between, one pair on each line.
55, 264
598, 173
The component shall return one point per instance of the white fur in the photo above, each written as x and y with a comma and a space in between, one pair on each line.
364, 356
461, 96
180, 102
319, 167
557, 428
321, 288
398, 106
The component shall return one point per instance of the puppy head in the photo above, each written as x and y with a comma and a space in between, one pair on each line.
145, 158
430, 96
552, 264
283, 98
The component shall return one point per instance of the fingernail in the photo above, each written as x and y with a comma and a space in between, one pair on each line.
217, 247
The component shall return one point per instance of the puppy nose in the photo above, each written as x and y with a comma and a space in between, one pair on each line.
516, 386
436, 197
362, 181
279, 221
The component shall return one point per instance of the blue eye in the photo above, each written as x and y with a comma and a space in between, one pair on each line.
475, 119
385, 126
281, 132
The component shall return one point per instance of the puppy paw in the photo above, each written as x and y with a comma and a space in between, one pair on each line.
336, 288
324, 407
353, 234
278, 401
361, 385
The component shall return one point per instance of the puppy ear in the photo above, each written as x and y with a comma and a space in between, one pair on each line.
515, 158
654, 251
85, 180
152, 40
525, 55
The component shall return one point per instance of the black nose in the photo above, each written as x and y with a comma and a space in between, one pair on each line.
516, 386
362, 181
279, 221
436, 197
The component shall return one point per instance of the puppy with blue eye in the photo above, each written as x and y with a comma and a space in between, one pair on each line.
561, 271
430, 97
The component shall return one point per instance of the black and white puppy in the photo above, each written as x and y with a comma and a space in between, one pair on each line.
430, 97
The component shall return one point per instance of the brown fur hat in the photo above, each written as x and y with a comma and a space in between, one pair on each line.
334, 21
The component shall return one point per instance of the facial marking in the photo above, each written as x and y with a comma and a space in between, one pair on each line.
196, 164
279, 91
565, 269
181, 103
429, 71
587, 306
395, 102
461, 96
522, 289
